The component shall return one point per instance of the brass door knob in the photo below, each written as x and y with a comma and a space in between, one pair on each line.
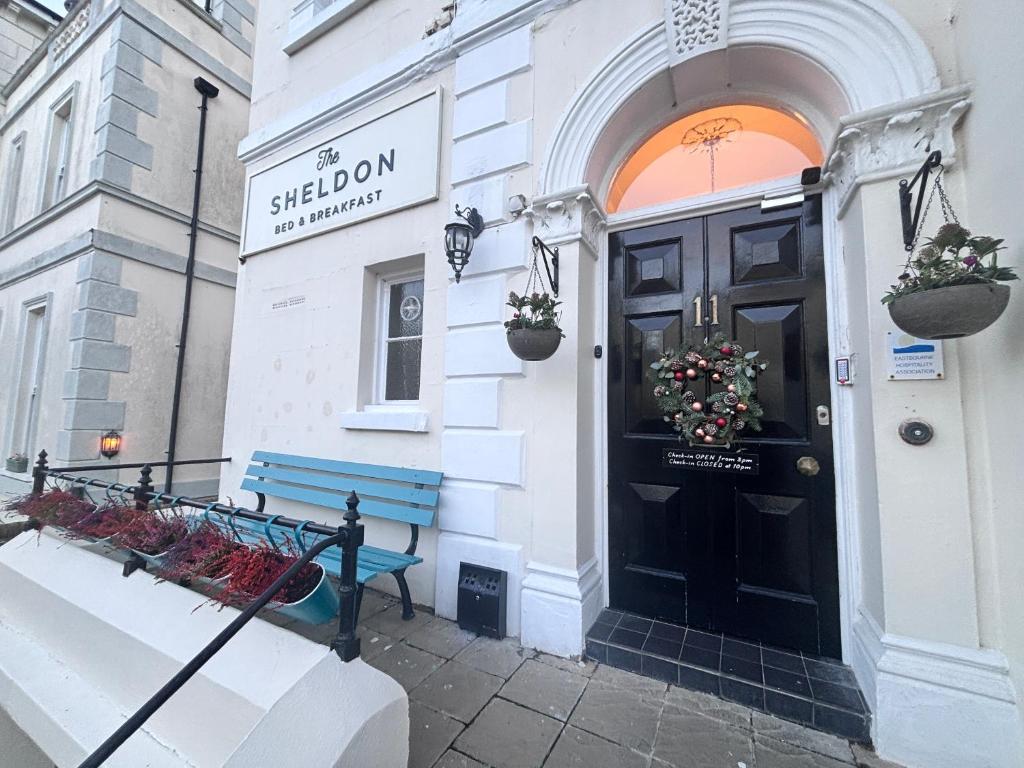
808, 465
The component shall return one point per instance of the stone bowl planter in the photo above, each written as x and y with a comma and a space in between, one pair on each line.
17, 464
950, 313
534, 344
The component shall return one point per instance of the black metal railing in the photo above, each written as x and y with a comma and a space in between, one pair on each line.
349, 537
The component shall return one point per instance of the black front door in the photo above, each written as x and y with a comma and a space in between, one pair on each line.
750, 556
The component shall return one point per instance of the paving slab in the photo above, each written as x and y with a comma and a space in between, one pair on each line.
408, 666
506, 735
457, 690
866, 758
619, 678
430, 734
440, 637
579, 749
805, 738
453, 759
542, 688
728, 712
373, 644
689, 740
584, 667
628, 718
771, 753
496, 657
390, 622
374, 602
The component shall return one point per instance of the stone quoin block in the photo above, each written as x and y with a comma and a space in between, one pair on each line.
100, 356
479, 352
481, 109
489, 456
476, 300
119, 113
86, 385
118, 141
499, 249
130, 32
130, 89
94, 414
78, 445
92, 294
470, 508
99, 266
113, 170
125, 58
495, 150
489, 197
472, 402
93, 324
494, 60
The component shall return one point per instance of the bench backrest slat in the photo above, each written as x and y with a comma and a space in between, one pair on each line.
372, 507
390, 491
375, 471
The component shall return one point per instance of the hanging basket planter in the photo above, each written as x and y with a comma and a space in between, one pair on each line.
951, 287
533, 333
534, 344
319, 606
951, 312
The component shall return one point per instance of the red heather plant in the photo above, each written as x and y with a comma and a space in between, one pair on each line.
153, 533
57, 508
106, 521
253, 570
203, 553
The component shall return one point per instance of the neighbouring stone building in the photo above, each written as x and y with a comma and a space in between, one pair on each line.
98, 144
24, 24
702, 166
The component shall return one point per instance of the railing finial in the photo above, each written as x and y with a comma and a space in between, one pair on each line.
39, 474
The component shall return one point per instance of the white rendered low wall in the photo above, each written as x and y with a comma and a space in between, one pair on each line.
81, 648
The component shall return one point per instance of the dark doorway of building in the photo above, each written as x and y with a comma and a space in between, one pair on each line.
749, 556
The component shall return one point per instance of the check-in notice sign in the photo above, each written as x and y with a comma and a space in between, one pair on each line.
379, 167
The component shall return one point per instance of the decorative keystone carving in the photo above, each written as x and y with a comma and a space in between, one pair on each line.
886, 144
695, 26
568, 217
71, 32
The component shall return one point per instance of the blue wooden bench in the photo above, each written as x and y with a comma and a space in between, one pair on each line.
403, 495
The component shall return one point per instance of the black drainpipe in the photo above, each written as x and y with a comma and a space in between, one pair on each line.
208, 91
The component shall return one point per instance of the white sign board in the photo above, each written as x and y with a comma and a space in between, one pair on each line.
913, 358
379, 167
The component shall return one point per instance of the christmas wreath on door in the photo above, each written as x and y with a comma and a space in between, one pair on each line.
727, 413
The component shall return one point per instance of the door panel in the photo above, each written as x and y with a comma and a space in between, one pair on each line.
752, 556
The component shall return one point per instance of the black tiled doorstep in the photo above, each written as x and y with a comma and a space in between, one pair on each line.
810, 690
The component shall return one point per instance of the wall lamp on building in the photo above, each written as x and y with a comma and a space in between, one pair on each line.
110, 444
459, 237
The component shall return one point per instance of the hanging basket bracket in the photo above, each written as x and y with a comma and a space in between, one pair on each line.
545, 252
911, 219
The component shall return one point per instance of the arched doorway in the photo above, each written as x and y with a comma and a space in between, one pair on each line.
753, 556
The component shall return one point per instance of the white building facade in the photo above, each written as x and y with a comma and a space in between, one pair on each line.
352, 340
98, 144
23, 26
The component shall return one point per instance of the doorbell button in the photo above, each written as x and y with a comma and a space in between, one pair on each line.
916, 432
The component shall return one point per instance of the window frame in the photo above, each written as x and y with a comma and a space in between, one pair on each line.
55, 165
12, 183
29, 373
382, 340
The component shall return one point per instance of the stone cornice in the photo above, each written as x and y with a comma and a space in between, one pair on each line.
894, 140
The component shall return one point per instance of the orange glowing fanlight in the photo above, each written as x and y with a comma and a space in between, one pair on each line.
110, 444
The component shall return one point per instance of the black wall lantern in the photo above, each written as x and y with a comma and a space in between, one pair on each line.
110, 444
459, 237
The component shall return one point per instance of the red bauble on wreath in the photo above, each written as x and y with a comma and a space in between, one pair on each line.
725, 414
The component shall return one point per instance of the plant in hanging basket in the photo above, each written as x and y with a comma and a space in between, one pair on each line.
203, 554
105, 521
153, 533
56, 508
533, 332
951, 288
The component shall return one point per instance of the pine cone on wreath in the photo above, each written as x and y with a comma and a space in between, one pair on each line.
689, 398
739, 424
737, 350
719, 367
692, 358
677, 385
660, 391
731, 398
730, 371
717, 408
711, 428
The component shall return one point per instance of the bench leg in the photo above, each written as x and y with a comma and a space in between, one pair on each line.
403, 587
